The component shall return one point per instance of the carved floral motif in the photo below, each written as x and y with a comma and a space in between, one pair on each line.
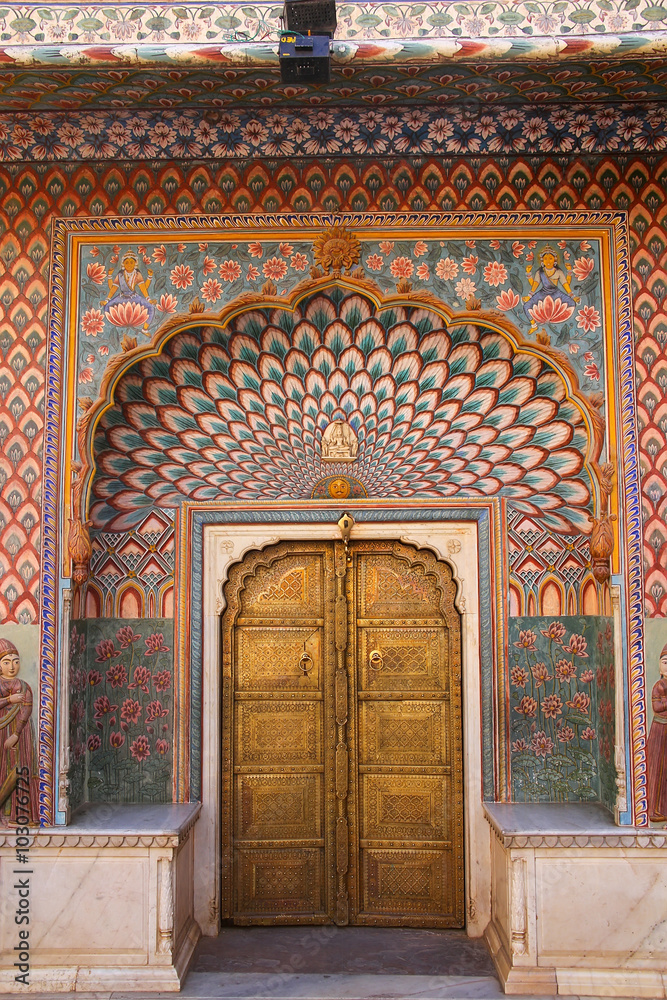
336, 249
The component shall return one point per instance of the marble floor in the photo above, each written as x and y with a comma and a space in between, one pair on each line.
333, 963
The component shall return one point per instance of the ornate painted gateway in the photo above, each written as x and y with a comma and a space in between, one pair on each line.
481, 365
341, 555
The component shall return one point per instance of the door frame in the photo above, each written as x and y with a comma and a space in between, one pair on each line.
455, 542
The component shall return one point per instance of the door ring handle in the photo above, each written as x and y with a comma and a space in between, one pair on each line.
306, 659
375, 659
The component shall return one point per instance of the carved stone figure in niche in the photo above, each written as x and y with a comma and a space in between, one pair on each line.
339, 443
656, 750
16, 743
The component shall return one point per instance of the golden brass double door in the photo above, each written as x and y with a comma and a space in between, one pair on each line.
342, 783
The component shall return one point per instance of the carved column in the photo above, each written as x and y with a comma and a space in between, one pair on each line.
165, 906
621, 804
519, 907
63, 708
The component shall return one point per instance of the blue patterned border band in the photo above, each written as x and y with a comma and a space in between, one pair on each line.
209, 135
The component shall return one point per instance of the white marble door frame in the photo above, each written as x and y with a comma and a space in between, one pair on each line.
454, 541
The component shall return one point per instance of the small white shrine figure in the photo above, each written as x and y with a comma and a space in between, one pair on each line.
339, 443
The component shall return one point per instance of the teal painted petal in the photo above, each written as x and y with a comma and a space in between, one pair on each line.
186, 372
141, 479
403, 338
566, 462
541, 480
517, 392
244, 375
159, 392
115, 463
553, 435
465, 358
125, 439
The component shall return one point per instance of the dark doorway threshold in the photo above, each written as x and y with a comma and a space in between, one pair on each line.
341, 963
334, 950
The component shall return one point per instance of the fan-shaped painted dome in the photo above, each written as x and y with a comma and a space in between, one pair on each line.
238, 413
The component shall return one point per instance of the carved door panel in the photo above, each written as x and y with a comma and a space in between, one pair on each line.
406, 643
277, 724
342, 738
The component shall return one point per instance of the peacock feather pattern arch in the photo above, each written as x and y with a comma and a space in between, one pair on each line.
442, 408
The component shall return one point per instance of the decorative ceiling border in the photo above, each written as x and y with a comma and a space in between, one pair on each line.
212, 135
62, 34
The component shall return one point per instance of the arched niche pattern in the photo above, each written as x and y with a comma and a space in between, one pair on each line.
443, 405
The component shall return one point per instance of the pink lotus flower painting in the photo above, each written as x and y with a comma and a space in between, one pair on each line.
125, 727
562, 719
551, 310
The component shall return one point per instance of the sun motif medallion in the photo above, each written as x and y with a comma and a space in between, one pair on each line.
338, 488
335, 249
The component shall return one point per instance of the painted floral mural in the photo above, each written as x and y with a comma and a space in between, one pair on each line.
77, 713
548, 288
125, 724
561, 701
95, 24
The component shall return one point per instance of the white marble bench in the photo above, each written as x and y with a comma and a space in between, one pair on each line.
110, 901
578, 904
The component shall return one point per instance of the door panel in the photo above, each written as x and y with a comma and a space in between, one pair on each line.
389, 589
342, 737
410, 659
404, 807
275, 886
266, 659
402, 733
270, 733
408, 887
279, 777
408, 734
274, 807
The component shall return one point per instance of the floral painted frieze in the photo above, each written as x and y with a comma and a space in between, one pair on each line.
94, 24
405, 79
561, 683
550, 289
189, 134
